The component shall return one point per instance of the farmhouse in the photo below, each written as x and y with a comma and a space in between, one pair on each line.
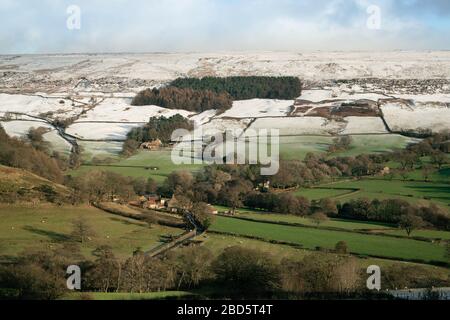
385, 171
173, 205
213, 209
152, 145
150, 202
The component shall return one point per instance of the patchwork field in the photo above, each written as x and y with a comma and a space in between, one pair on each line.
343, 224
332, 223
310, 238
413, 191
155, 164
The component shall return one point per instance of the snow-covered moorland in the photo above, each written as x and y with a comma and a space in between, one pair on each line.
410, 91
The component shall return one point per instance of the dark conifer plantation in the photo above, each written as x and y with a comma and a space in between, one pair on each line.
241, 88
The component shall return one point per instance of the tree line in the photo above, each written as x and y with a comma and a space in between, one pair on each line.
242, 88
408, 216
237, 272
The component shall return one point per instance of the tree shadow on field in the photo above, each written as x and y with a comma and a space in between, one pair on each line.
54, 236
445, 172
434, 192
127, 222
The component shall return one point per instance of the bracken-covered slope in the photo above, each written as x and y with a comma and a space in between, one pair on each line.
20, 185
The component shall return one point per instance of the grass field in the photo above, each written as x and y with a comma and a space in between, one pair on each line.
218, 242
362, 144
412, 191
348, 225
296, 147
332, 223
45, 228
311, 238
100, 150
322, 193
415, 190
442, 175
155, 164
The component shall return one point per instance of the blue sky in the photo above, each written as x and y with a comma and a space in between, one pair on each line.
29, 26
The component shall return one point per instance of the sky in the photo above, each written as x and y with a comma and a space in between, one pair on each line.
46, 26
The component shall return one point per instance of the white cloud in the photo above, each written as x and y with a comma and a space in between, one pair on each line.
208, 25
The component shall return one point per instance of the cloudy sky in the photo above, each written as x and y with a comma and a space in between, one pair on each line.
29, 26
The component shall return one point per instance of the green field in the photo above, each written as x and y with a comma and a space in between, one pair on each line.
344, 224
430, 234
412, 191
323, 193
45, 228
155, 164
218, 242
296, 147
442, 175
311, 238
332, 223
100, 150
347, 225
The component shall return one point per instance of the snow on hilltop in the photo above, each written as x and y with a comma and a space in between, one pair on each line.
344, 92
131, 72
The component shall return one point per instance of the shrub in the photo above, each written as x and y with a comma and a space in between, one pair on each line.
341, 247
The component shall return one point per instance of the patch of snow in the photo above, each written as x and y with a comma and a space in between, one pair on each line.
364, 125
101, 131
316, 95
256, 108
19, 129
36, 105
110, 148
202, 118
445, 98
120, 110
299, 125
399, 117
225, 124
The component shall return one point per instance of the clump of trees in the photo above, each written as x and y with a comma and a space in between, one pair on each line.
21, 154
242, 88
285, 203
184, 98
36, 138
105, 186
342, 143
35, 276
160, 128
408, 216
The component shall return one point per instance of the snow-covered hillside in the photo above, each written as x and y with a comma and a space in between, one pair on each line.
344, 92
